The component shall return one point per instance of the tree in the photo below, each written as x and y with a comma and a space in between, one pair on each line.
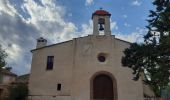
168, 88
18, 92
152, 57
3, 55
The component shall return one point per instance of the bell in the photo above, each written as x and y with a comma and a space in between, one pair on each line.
101, 27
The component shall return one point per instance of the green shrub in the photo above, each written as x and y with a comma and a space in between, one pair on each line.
18, 92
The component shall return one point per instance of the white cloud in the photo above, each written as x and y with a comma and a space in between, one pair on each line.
136, 36
89, 2
18, 34
13, 50
87, 28
113, 25
48, 19
126, 24
136, 3
48, 11
6, 7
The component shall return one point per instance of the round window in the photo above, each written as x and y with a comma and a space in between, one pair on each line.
102, 57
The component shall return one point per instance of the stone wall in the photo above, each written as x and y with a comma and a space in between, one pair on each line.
49, 98
75, 63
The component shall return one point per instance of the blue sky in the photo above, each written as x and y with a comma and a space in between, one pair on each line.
23, 21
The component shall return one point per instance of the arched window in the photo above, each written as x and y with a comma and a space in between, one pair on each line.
101, 23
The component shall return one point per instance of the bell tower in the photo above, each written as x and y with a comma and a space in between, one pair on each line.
101, 22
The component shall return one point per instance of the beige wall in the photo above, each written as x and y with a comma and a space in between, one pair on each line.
75, 63
44, 82
7, 79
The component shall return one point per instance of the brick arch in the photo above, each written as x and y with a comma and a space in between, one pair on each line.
114, 82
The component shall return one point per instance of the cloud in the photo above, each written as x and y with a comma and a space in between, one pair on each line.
18, 34
136, 3
126, 24
136, 36
48, 18
89, 2
17, 38
6, 7
113, 25
87, 28
124, 16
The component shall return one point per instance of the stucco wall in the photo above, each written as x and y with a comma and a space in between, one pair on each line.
44, 82
87, 64
49, 98
75, 63
6, 79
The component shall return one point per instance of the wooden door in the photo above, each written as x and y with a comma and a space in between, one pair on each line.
102, 88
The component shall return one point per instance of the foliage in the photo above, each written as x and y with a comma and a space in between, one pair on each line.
18, 92
153, 56
168, 88
8, 68
3, 55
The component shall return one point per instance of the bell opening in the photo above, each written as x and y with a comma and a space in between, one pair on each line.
101, 29
101, 23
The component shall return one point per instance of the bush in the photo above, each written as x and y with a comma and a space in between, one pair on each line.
18, 92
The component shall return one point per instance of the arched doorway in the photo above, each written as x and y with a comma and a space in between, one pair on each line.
103, 87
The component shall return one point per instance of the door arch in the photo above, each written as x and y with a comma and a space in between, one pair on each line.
103, 87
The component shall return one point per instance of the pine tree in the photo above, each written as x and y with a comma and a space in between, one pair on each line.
152, 57
3, 55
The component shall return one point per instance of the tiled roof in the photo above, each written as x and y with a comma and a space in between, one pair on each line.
101, 12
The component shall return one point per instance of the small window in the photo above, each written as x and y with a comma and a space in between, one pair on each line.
102, 57
50, 61
58, 87
39, 40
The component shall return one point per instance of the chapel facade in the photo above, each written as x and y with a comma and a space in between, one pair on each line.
85, 68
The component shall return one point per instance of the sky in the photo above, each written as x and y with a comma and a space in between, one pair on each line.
23, 21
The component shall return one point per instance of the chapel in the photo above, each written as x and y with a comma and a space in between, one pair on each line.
84, 68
